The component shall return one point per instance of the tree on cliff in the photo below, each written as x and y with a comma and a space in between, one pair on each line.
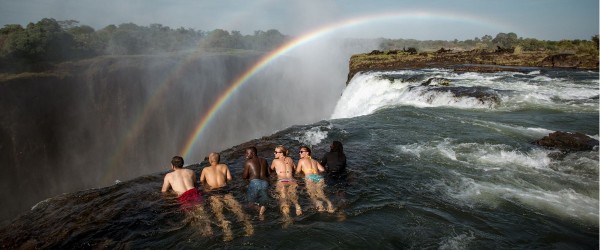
42, 41
506, 40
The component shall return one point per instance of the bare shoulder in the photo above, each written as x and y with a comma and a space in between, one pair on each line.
205, 170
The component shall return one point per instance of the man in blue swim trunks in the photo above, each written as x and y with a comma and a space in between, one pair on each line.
256, 170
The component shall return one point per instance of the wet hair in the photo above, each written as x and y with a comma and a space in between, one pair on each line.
253, 149
283, 149
336, 146
177, 161
307, 149
214, 157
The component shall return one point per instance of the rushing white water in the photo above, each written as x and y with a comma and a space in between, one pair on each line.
368, 92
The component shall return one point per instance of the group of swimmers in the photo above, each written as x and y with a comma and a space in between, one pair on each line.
215, 176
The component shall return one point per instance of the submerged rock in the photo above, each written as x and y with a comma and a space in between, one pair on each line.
566, 141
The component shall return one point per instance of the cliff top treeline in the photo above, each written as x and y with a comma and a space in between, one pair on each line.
50, 41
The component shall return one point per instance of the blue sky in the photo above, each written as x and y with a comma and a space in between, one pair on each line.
416, 19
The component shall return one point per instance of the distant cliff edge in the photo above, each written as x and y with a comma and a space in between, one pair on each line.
474, 60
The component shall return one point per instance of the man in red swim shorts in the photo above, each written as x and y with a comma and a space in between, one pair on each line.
182, 182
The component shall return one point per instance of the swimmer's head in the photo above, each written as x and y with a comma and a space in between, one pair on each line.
177, 162
214, 158
305, 148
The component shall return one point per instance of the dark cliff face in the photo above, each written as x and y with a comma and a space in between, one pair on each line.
86, 124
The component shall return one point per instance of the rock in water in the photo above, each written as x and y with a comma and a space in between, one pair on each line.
567, 141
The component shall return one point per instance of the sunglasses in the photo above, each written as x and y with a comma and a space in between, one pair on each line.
303, 151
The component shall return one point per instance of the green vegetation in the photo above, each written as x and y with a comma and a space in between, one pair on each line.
502, 40
42, 44
51, 41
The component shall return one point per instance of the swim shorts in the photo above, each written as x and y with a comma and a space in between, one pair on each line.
190, 198
257, 191
314, 177
287, 181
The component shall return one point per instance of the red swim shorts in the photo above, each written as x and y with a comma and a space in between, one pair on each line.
190, 198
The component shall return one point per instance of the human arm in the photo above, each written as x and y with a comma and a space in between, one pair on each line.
324, 161
299, 167
320, 167
343, 167
202, 177
291, 162
166, 184
228, 174
246, 173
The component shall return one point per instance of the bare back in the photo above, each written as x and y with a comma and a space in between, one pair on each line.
309, 166
215, 176
180, 180
256, 168
283, 167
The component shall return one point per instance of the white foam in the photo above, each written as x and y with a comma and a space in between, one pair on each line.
368, 92
532, 132
365, 94
312, 136
564, 203
460, 241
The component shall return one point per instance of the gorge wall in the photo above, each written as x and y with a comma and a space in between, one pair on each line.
88, 124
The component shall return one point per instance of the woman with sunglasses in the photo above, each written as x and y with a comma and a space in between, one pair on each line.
314, 181
286, 184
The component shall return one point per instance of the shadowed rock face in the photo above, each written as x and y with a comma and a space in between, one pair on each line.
566, 141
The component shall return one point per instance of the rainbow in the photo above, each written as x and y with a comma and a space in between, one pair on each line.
142, 118
306, 38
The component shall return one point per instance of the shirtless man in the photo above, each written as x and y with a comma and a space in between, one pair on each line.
182, 182
217, 174
215, 178
286, 184
256, 170
314, 181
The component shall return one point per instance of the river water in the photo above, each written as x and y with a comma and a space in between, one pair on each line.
444, 166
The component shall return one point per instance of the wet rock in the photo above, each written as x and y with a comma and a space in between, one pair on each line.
563, 61
483, 94
566, 141
436, 81
402, 78
376, 52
